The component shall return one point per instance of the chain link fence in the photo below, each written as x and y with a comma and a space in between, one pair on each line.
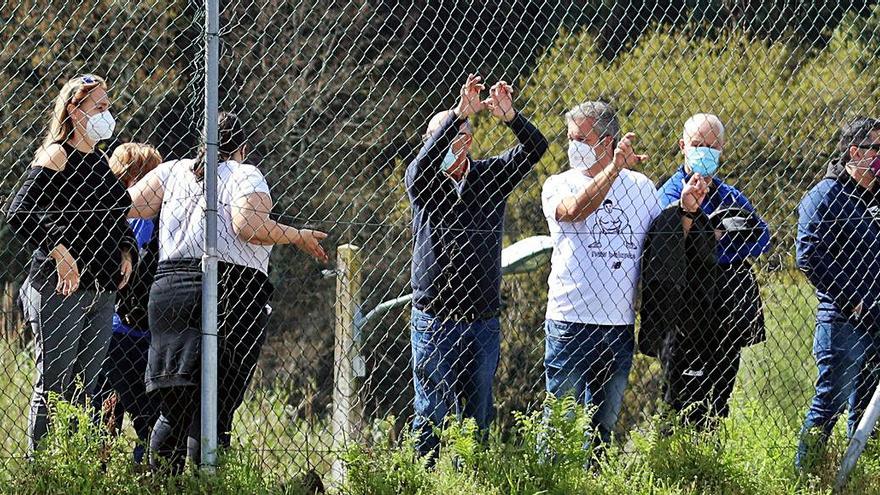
333, 100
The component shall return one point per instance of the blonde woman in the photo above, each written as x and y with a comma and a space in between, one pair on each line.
72, 210
122, 387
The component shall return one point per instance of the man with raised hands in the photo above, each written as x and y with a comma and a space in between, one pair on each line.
458, 205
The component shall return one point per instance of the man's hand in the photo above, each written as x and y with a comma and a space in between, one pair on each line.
471, 103
693, 193
500, 101
309, 241
857, 311
624, 155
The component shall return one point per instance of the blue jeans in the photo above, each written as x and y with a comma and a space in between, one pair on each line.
453, 367
591, 363
847, 358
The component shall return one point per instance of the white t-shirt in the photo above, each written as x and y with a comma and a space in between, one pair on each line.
182, 218
596, 262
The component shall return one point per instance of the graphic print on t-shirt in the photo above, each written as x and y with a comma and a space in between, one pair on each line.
609, 221
595, 261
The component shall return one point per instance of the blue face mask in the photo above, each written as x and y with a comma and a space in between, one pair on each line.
703, 160
448, 160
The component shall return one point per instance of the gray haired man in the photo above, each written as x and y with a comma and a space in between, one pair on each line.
598, 213
458, 205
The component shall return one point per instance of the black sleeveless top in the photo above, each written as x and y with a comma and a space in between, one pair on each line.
83, 207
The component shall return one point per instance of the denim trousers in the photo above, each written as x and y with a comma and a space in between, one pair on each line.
453, 365
590, 363
848, 363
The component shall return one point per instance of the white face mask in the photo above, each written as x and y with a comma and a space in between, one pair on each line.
100, 126
581, 156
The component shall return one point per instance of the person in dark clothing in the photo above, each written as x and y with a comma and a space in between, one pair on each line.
71, 210
121, 386
680, 270
245, 236
838, 237
678, 264
458, 208
701, 353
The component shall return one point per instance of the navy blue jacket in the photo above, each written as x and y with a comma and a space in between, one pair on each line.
456, 265
838, 246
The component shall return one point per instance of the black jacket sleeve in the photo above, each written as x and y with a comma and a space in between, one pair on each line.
650, 335
131, 301
32, 214
511, 167
669, 261
129, 241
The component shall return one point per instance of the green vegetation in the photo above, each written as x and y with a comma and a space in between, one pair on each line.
751, 454
742, 458
333, 134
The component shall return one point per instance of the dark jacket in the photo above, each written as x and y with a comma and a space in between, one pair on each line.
456, 265
731, 249
838, 239
688, 295
677, 278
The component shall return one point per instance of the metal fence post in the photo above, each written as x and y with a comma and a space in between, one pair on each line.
346, 361
859, 440
209, 265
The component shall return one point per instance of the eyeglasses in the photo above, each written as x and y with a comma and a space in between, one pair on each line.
426, 137
583, 139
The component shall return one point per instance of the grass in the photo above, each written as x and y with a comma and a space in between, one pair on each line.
751, 453
741, 458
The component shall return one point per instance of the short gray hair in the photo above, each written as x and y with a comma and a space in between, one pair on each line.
437, 122
606, 118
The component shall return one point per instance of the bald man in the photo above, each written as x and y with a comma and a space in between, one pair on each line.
458, 214
701, 368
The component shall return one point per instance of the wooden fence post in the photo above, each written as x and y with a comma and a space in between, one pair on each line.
10, 317
347, 413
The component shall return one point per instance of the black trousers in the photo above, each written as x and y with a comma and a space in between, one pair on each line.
698, 379
177, 432
242, 316
122, 387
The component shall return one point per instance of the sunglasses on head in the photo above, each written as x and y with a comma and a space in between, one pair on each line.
84, 80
